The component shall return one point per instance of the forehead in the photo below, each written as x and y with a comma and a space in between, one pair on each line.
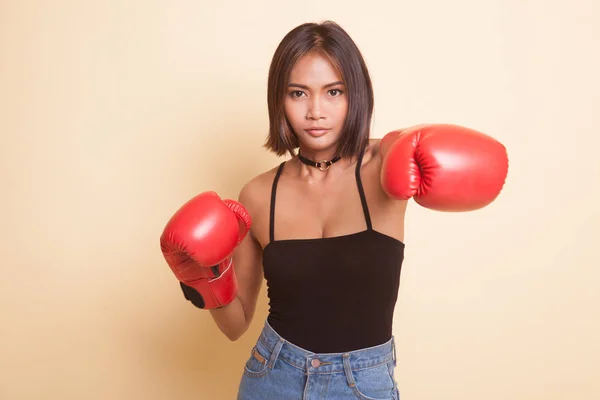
315, 70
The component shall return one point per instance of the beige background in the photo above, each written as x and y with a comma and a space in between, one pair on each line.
113, 113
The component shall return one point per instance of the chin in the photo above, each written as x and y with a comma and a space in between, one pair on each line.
318, 144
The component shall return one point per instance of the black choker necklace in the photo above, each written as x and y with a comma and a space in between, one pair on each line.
323, 165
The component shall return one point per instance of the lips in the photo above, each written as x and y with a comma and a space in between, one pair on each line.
316, 132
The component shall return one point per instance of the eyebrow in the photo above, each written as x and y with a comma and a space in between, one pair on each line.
306, 87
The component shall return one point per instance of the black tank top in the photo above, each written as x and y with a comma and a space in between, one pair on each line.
334, 294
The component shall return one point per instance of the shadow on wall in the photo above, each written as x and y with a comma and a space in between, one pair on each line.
175, 342
172, 345
190, 352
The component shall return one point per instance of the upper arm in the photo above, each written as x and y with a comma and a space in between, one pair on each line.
247, 257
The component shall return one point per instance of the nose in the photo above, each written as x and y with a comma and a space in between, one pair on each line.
315, 110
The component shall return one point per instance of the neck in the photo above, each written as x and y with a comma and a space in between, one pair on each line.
318, 155
323, 171
321, 164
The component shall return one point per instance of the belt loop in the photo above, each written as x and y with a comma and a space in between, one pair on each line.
348, 370
394, 349
275, 353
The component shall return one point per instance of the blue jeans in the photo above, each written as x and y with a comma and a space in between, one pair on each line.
278, 369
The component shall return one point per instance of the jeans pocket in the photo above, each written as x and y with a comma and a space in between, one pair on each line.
375, 383
257, 364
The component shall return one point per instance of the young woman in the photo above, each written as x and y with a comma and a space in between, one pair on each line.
325, 228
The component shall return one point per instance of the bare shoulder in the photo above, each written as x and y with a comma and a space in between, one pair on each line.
257, 190
255, 196
372, 157
371, 171
374, 145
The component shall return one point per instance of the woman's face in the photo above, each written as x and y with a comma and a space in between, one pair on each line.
316, 103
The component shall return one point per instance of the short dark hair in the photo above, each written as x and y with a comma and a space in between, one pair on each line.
334, 42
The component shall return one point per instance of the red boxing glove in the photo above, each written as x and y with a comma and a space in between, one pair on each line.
197, 243
443, 167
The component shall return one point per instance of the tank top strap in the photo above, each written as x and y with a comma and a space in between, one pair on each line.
272, 209
361, 191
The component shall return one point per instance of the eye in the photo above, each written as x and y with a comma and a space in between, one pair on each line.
335, 92
295, 94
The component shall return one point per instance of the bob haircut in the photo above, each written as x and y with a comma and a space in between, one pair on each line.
331, 40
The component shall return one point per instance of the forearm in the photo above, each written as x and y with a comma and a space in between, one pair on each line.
231, 319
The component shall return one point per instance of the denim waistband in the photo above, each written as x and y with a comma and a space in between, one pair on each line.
324, 363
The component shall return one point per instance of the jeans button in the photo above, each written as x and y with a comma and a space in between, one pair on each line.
315, 363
